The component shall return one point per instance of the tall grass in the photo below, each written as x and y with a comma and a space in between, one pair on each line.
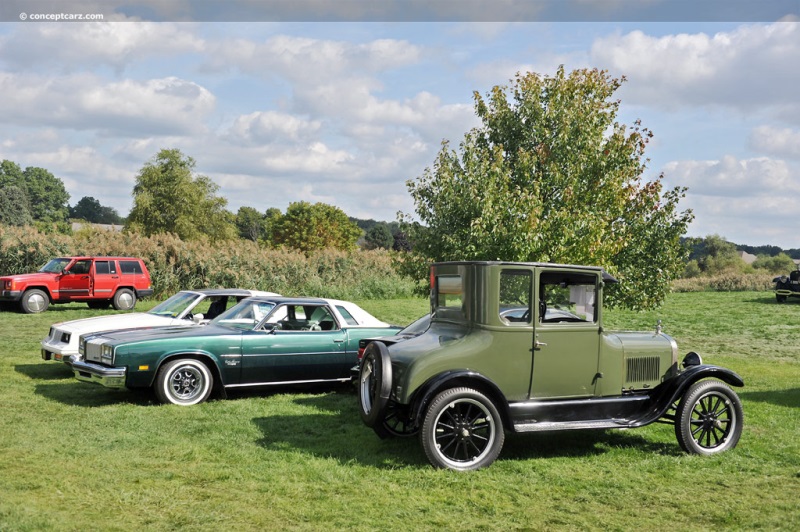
175, 264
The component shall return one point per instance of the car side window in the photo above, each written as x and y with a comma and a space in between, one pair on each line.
81, 266
104, 267
348, 318
567, 297
515, 297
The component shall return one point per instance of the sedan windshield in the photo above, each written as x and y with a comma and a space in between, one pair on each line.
175, 306
55, 266
246, 315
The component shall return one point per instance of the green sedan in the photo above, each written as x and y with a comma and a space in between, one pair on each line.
259, 342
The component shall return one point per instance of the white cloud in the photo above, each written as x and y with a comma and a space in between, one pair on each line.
84, 101
730, 177
75, 46
747, 68
781, 142
271, 126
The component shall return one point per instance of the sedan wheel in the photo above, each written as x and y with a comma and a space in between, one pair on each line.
183, 382
462, 430
709, 418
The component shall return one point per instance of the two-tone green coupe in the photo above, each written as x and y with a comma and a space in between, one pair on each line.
261, 341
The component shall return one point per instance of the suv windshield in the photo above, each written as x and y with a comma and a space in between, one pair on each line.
176, 305
55, 266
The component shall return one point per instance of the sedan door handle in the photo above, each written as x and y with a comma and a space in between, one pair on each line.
338, 341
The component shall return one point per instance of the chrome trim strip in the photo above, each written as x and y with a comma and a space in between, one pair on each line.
281, 383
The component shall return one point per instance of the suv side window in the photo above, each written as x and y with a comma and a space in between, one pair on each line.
105, 267
567, 297
81, 267
130, 266
515, 296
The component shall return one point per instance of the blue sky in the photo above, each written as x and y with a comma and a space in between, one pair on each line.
346, 112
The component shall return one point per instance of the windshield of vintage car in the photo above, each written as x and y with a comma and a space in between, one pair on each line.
176, 305
245, 315
55, 266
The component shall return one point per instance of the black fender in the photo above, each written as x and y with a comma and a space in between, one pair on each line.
451, 379
665, 395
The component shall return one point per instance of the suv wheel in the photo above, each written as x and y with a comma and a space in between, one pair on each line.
124, 299
709, 418
183, 382
34, 301
462, 430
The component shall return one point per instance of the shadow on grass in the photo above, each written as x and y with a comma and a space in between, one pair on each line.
790, 397
90, 395
45, 371
337, 432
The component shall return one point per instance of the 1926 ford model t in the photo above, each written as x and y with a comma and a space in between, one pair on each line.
521, 347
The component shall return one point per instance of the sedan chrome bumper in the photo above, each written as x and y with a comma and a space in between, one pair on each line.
104, 375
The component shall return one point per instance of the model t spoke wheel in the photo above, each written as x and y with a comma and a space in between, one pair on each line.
183, 382
709, 418
462, 430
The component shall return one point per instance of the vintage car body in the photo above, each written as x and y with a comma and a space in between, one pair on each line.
479, 370
184, 309
98, 281
260, 341
787, 286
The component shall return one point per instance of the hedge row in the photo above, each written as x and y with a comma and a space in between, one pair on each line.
729, 282
175, 264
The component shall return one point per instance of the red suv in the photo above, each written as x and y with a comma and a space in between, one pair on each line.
99, 281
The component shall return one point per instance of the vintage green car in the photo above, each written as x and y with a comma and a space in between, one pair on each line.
260, 341
521, 347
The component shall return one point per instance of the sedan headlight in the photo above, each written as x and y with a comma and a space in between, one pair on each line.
107, 354
82, 346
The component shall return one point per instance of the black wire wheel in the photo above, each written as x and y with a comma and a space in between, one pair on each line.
397, 423
183, 382
462, 430
709, 418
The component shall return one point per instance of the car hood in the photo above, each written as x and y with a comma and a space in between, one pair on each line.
161, 333
31, 276
117, 321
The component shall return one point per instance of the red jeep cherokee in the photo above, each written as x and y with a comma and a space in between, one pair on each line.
100, 281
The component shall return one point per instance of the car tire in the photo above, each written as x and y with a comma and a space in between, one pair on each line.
124, 299
374, 386
780, 299
462, 430
34, 301
183, 382
709, 418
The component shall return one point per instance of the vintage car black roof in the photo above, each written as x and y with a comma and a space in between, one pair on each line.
607, 277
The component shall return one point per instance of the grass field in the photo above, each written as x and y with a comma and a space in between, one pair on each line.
74, 456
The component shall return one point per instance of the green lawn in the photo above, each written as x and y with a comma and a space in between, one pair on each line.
75, 456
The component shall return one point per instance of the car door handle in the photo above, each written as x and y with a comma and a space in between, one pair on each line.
538, 345
338, 341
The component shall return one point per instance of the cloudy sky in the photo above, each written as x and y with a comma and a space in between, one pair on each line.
344, 104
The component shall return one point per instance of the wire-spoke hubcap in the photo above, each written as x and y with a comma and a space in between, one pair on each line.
465, 431
712, 420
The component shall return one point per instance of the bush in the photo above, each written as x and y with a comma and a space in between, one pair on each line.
175, 265
729, 282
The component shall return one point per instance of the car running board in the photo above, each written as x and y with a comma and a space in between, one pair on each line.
573, 425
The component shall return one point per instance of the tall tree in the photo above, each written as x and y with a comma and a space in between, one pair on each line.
308, 227
168, 198
250, 224
47, 197
379, 236
550, 175
14, 206
90, 209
